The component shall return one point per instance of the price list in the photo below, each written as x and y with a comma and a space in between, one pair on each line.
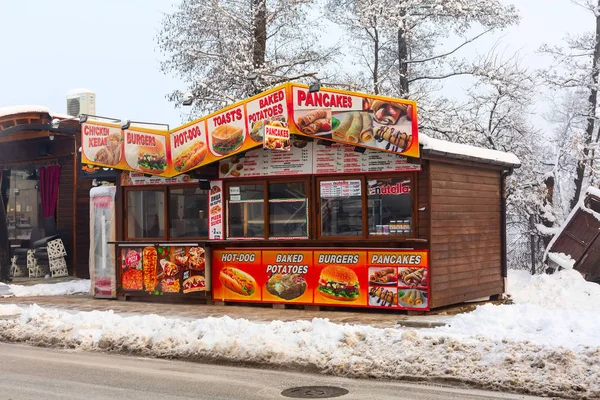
313, 159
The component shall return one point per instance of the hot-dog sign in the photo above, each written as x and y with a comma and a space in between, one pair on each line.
188, 147
288, 276
367, 121
101, 144
236, 275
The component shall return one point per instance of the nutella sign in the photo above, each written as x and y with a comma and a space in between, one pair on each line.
389, 187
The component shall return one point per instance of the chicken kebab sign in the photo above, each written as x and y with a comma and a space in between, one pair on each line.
129, 150
375, 122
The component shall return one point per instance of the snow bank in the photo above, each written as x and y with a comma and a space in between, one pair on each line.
459, 354
565, 289
563, 260
80, 286
445, 146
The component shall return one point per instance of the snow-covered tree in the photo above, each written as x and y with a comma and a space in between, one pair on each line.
398, 41
497, 115
227, 50
576, 67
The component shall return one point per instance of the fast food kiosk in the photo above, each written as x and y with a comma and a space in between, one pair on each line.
326, 198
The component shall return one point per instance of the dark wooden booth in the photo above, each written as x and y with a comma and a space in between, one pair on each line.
28, 141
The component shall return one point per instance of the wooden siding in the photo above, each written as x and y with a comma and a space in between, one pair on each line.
423, 211
466, 240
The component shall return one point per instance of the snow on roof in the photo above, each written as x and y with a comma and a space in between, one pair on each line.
73, 92
12, 110
465, 151
61, 115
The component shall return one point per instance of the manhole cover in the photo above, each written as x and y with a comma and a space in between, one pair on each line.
314, 392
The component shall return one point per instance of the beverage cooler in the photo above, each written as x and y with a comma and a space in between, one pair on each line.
102, 231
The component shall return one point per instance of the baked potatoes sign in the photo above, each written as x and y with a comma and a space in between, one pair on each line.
350, 278
267, 119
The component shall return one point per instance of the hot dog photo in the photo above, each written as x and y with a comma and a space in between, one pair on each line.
238, 281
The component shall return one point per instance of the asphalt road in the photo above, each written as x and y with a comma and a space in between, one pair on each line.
38, 373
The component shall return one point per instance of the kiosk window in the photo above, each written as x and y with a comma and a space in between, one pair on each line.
245, 211
146, 214
366, 207
288, 210
341, 208
389, 206
188, 213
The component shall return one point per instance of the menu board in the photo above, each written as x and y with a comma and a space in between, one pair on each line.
216, 210
269, 119
139, 179
308, 158
163, 270
397, 279
348, 188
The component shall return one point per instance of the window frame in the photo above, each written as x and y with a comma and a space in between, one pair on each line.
166, 189
266, 214
412, 176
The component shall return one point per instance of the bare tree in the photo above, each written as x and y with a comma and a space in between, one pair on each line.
226, 50
398, 40
576, 67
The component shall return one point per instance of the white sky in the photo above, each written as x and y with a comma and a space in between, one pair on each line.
49, 47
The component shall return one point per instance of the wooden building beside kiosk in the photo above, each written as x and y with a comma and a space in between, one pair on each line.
34, 153
354, 209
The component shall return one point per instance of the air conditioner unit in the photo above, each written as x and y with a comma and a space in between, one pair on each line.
81, 101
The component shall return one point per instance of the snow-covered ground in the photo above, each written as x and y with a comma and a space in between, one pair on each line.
80, 286
547, 343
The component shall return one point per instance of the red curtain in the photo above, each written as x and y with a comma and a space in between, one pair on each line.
49, 189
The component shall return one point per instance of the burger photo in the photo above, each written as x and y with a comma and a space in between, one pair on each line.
339, 283
152, 159
226, 139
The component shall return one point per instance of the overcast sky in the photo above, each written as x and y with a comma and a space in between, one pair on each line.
49, 47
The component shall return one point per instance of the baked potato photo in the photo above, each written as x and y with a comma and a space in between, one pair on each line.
286, 286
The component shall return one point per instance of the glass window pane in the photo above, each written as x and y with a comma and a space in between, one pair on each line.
288, 210
145, 214
246, 219
288, 218
390, 206
22, 210
246, 211
188, 213
341, 208
291, 190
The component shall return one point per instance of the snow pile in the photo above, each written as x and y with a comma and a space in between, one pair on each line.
463, 355
80, 286
565, 289
563, 260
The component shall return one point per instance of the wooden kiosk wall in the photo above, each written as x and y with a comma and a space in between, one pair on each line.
466, 232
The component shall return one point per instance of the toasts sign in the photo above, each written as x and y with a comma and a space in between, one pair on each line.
373, 122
